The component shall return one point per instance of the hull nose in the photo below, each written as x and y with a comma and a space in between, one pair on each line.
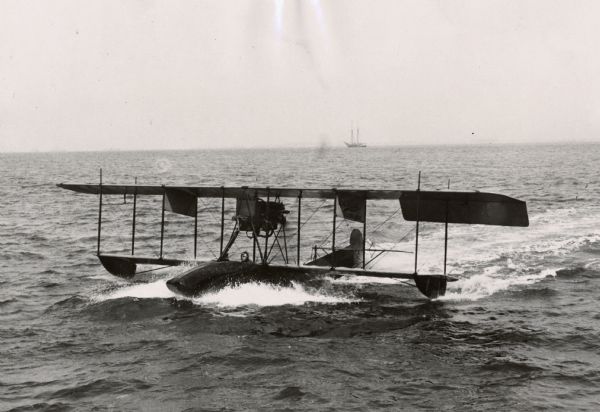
208, 276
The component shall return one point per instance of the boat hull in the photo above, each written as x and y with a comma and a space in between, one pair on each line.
354, 145
215, 275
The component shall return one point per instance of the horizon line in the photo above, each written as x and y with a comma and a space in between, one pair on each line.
316, 147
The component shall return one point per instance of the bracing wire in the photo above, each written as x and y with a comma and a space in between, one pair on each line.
310, 217
152, 270
331, 234
399, 240
208, 247
386, 220
212, 216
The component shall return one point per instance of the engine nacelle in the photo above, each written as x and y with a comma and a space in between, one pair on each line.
259, 215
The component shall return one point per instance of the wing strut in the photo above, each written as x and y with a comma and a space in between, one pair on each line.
266, 254
417, 225
254, 236
133, 221
162, 225
446, 233
222, 218
287, 259
100, 212
196, 229
364, 237
232, 239
333, 233
299, 227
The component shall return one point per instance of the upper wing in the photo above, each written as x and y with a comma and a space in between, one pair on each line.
426, 206
230, 192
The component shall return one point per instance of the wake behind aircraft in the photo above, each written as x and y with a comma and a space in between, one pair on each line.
261, 214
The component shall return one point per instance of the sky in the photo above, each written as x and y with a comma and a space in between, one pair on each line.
132, 75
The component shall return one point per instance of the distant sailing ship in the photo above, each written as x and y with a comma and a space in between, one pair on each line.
354, 142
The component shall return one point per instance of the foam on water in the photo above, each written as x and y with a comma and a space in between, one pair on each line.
592, 264
480, 286
493, 259
261, 294
353, 280
500, 258
254, 293
157, 289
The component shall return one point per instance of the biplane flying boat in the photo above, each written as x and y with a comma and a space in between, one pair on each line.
261, 214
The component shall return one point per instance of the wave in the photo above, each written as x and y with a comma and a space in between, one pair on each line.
508, 366
483, 285
492, 259
486, 261
42, 406
70, 302
152, 290
246, 294
7, 301
264, 294
261, 294
99, 387
354, 280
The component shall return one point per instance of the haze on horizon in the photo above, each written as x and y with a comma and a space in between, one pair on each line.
139, 74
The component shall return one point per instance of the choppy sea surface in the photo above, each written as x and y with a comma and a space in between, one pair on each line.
519, 330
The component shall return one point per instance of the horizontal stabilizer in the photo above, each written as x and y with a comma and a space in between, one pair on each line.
463, 207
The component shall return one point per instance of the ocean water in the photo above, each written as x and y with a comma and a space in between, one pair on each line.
519, 330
